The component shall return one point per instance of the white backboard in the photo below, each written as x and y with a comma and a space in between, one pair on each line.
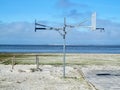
93, 21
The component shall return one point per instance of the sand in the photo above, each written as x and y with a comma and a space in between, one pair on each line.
50, 74
48, 77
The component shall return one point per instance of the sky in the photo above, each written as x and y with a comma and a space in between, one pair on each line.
17, 18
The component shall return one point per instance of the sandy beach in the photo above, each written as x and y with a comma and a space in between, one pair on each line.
49, 76
26, 77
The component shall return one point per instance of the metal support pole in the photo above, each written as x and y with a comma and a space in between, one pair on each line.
64, 47
64, 57
13, 62
37, 62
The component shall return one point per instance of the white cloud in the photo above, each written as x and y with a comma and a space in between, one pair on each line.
23, 33
66, 4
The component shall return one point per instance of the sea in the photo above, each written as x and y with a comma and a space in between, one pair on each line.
108, 49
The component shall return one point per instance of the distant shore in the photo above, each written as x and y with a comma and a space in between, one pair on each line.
105, 49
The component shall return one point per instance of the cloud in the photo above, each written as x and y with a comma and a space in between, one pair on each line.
15, 27
66, 4
112, 28
75, 14
111, 34
72, 9
109, 37
23, 33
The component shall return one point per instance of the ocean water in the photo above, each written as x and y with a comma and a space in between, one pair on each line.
59, 49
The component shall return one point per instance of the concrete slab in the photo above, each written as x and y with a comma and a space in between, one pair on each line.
104, 79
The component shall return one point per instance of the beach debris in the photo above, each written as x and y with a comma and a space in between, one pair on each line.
34, 69
21, 70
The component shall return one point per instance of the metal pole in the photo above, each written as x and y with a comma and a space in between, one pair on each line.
64, 48
13, 62
64, 56
37, 62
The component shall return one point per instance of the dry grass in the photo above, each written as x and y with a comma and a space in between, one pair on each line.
57, 59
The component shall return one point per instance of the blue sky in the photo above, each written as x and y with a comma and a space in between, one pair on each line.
17, 21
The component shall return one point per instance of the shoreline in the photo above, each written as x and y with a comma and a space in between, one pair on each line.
53, 53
